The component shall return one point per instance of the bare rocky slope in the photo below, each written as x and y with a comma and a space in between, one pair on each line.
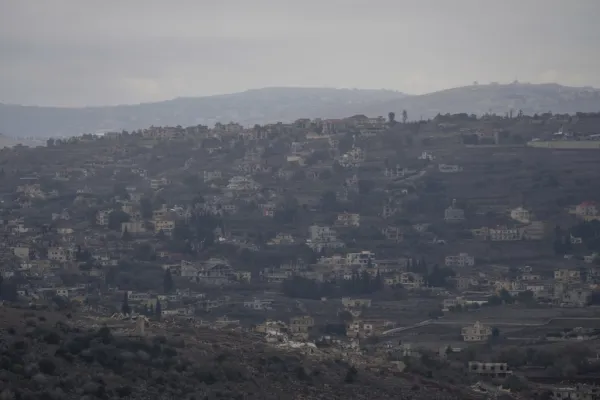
287, 104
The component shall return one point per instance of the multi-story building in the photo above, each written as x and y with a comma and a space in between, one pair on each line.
133, 227
158, 183
476, 333
102, 217
426, 156
58, 254
445, 168
504, 234
349, 302
579, 392
397, 172
353, 158
576, 298
258, 304
359, 329
318, 233
586, 209
242, 183
393, 233
411, 280
454, 214
274, 275
536, 230
301, 327
492, 370
567, 275
364, 259
348, 220
211, 175
164, 225
461, 260
521, 215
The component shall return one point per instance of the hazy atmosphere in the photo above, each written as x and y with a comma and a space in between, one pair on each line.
79, 52
299, 199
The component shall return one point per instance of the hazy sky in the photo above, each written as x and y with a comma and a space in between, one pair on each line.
95, 52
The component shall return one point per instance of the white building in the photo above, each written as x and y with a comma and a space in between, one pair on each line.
258, 305
353, 158
58, 254
454, 214
102, 217
242, 183
449, 169
504, 234
586, 209
461, 260
520, 214
575, 240
567, 275
321, 234
397, 172
411, 280
364, 258
476, 333
348, 220
164, 225
426, 156
158, 183
211, 175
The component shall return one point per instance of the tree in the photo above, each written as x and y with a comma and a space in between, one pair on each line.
168, 282
404, 116
120, 190
365, 186
345, 316
125, 309
506, 297
158, 309
392, 118
126, 236
514, 384
182, 231
525, 297
146, 208
115, 219
438, 277
329, 201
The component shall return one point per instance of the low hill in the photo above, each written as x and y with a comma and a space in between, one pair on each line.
499, 99
287, 104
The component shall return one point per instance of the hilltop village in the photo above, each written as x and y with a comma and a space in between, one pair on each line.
462, 241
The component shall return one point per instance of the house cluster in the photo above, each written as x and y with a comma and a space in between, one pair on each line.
236, 215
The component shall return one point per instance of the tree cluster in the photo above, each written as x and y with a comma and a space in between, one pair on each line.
357, 285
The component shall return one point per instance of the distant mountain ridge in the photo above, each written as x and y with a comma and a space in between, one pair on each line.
499, 99
289, 103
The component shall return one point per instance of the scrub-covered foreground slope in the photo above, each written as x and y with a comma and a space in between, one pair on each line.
47, 356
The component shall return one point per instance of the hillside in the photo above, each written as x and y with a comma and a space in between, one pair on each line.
46, 356
250, 107
287, 104
499, 99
